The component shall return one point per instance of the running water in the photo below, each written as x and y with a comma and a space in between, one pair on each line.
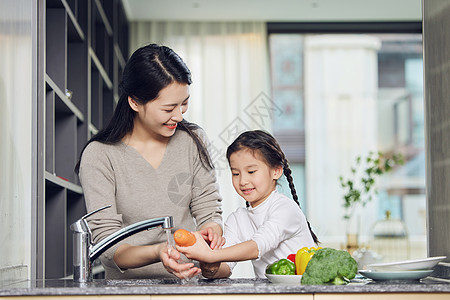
170, 247
170, 241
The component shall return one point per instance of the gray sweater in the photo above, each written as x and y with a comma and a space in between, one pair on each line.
118, 175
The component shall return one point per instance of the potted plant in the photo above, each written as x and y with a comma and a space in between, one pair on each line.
360, 188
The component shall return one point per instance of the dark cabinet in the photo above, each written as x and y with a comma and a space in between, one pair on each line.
83, 46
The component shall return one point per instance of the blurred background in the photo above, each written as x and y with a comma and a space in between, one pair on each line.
345, 81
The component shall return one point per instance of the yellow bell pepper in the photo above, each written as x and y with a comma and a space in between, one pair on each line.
302, 258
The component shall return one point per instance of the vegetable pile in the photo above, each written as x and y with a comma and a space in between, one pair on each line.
330, 266
317, 265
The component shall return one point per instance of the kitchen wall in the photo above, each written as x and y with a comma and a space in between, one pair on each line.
16, 106
436, 40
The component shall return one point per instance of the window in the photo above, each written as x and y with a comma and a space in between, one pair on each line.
343, 95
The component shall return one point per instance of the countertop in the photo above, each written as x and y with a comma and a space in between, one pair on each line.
58, 287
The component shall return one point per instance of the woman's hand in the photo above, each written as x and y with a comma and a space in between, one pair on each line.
170, 258
200, 251
214, 240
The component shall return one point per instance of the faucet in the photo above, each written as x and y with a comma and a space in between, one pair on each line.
85, 252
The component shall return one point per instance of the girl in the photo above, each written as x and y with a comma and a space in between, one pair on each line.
272, 226
149, 162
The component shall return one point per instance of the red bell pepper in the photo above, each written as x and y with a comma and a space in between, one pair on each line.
291, 257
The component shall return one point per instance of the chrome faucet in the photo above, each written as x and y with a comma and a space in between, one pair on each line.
85, 252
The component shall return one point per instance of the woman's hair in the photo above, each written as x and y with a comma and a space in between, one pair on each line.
267, 146
149, 70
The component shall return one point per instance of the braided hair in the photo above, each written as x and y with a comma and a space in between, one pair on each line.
270, 150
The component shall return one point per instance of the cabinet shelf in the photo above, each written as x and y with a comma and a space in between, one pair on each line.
120, 57
100, 68
103, 17
63, 183
55, 230
84, 46
93, 129
75, 31
70, 106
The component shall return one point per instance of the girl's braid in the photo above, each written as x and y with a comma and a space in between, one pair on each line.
288, 173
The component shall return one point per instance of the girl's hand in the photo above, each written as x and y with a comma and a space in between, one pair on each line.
214, 240
170, 257
200, 251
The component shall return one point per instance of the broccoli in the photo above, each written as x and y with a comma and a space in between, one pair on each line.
330, 266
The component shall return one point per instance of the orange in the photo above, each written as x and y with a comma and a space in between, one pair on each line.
184, 238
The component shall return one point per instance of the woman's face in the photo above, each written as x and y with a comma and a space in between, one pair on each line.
252, 178
159, 117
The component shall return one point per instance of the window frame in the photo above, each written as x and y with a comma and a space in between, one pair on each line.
344, 27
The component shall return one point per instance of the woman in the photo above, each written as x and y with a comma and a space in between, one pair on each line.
150, 162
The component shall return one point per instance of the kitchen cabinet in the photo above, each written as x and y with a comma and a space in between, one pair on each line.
83, 46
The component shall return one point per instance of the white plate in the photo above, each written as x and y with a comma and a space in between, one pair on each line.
408, 265
395, 275
285, 279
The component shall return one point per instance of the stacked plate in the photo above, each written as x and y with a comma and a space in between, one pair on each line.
402, 270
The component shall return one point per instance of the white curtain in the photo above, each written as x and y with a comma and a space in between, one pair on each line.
17, 131
230, 90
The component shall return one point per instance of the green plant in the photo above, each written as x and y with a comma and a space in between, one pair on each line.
360, 188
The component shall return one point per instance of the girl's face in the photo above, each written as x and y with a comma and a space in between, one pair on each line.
252, 178
159, 117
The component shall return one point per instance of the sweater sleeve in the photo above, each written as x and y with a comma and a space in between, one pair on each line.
285, 219
206, 201
98, 182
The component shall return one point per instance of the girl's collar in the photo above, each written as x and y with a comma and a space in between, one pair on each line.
250, 208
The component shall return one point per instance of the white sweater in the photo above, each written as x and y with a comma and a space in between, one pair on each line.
278, 226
